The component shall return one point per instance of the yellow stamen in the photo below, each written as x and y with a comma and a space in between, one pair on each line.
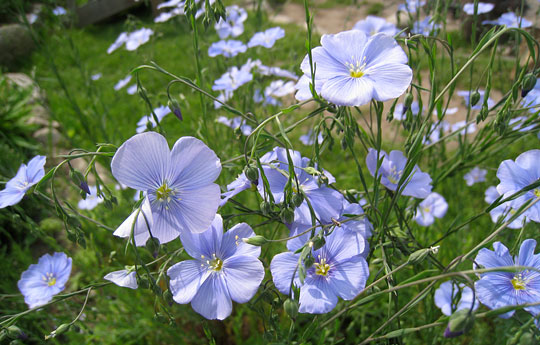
322, 268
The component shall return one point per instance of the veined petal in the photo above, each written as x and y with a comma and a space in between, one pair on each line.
346, 46
34, 170
186, 279
512, 176
213, 300
10, 197
390, 80
316, 296
383, 49
232, 243
142, 162
283, 267
123, 278
348, 91
204, 244
243, 275
140, 230
491, 259
197, 208
193, 164
326, 202
495, 293
349, 277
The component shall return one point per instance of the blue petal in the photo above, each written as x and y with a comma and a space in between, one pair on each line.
348, 91
205, 243
345, 47
186, 278
10, 197
283, 267
142, 162
232, 243
243, 275
495, 292
326, 202
390, 80
123, 278
341, 245
347, 278
213, 300
193, 164
35, 171
382, 49
316, 296
526, 255
498, 258
140, 232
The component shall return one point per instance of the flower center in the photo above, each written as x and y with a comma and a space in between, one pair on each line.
50, 279
518, 282
215, 263
395, 175
356, 70
427, 209
164, 193
321, 267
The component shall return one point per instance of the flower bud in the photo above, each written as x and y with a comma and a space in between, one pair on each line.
153, 246
291, 308
79, 180
408, 101
256, 240
529, 81
266, 208
475, 98
309, 261
297, 199
174, 106
527, 338
13, 332
418, 256
63, 328
287, 215
460, 322
318, 242
252, 173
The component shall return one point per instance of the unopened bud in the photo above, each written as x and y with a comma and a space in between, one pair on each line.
418, 256
256, 240
529, 81
527, 339
63, 328
287, 215
460, 323
78, 178
252, 173
475, 98
297, 199
318, 242
266, 208
13, 332
291, 308
153, 246
408, 101
174, 106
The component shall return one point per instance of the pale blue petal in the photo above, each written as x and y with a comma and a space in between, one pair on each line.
348, 91
140, 230
193, 164
243, 274
341, 245
123, 278
205, 243
283, 267
213, 300
495, 293
197, 208
316, 297
35, 170
529, 162
499, 257
346, 46
390, 80
347, 278
232, 243
142, 162
512, 177
10, 197
186, 278
326, 202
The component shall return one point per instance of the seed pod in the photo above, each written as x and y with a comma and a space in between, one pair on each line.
460, 322
291, 308
318, 242
408, 101
297, 199
266, 208
418, 256
287, 215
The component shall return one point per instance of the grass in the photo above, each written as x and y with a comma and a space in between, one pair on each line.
115, 315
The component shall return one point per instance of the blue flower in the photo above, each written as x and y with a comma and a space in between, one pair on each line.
309, 138
241, 184
26, 177
478, 106
41, 281
482, 8
236, 122
59, 11
501, 289
123, 278
510, 20
446, 298
227, 48
160, 112
91, 200
425, 27
326, 202
232, 79
434, 206
138, 38
504, 211
411, 6
373, 25
517, 124
234, 24
338, 271
400, 112
360, 226
266, 38
475, 175
178, 183
418, 184
352, 69
224, 269
279, 88
514, 176
122, 83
